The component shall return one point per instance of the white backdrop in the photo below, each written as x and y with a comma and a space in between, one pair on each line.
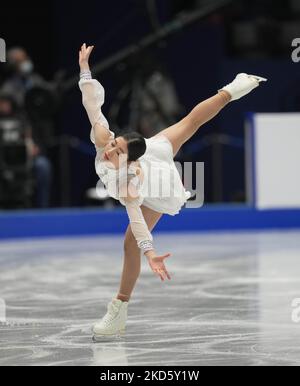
273, 161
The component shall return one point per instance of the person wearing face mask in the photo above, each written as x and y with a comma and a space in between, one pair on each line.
32, 93
22, 78
22, 81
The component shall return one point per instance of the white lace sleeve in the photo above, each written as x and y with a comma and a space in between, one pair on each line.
93, 96
139, 226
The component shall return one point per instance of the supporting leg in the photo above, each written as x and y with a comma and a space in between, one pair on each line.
132, 256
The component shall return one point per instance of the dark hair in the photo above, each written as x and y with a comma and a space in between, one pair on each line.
136, 145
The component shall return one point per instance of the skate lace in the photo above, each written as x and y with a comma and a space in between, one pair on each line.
112, 313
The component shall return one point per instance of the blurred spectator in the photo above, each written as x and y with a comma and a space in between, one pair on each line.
22, 77
159, 104
16, 135
33, 96
149, 95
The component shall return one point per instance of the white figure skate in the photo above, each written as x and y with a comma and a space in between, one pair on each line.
114, 321
242, 85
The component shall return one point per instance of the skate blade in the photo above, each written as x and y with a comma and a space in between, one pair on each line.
259, 78
108, 338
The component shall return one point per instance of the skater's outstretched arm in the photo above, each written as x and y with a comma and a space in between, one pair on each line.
93, 96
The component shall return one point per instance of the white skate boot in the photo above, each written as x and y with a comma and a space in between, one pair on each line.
243, 85
114, 321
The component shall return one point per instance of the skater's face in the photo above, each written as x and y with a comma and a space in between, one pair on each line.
116, 152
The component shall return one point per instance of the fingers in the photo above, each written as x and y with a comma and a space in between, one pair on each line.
161, 258
167, 255
162, 278
157, 272
90, 49
86, 51
159, 268
81, 53
166, 275
163, 274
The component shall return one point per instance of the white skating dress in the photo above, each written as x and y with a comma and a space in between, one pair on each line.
161, 190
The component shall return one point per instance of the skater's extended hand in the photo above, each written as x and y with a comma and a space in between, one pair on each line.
84, 56
158, 267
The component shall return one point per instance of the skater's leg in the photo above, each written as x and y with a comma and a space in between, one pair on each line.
114, 321
182, 131
132, 256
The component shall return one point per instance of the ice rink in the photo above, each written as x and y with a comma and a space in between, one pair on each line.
230, 301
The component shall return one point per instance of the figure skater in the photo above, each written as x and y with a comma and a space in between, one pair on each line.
135, 155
